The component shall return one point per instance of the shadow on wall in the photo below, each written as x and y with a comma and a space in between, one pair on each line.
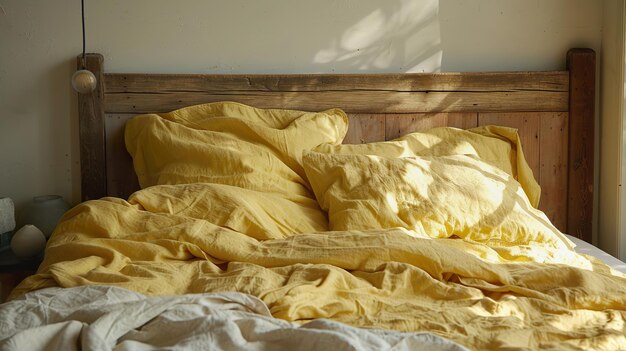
400, 37
456, 36
286, 36
280, 36
403, 36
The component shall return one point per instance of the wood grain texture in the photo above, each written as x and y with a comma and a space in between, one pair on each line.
92, 133
553, 167
581, 64
365, 128
557, 81
357, 101
462, 120
121, 178
377, 93
400, 124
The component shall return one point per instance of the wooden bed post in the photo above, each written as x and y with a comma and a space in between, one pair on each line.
581, 64
91, 132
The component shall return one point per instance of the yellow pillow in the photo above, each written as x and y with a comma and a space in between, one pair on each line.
437, 197
497, 146
232, 144
259, 215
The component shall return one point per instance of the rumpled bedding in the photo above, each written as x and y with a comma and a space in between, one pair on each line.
109, 318
434, 196
176, 238
516, 297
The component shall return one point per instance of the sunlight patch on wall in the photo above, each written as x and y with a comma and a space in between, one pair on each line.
402, 36
369, 30
429, 64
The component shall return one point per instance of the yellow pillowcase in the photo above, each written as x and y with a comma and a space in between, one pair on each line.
437, 197
233, 144
259, 215
497, 146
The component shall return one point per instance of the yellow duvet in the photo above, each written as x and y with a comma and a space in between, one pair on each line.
168, 239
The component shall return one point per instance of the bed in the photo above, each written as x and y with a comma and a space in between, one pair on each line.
153, 271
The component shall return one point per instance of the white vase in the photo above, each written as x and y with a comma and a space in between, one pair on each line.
44, 212
28, 242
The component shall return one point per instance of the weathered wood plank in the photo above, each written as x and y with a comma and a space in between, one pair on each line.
398, 125
581, 64
448, 81
365, 128
553, 167
528, 125
121, 178
91, 132
463, 120
356, 101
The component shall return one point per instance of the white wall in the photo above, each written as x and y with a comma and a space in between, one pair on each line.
622, 229
39, 41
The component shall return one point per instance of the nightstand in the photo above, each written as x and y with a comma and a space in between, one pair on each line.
13, 270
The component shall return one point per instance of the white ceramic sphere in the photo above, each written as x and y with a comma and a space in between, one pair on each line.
83, 81
28, 242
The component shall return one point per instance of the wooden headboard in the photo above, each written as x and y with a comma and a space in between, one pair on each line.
553, 111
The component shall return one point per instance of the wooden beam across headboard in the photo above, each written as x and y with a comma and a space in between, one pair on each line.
553, 112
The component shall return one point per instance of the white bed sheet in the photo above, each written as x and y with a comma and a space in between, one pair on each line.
588, 249
99, 317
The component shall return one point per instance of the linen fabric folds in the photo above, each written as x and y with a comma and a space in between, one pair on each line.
99, 318
498, 146
437, 197
230, 143
200, 164
516, 297
246, 163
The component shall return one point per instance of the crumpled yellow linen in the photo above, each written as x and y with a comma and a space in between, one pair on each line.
232, 144
498, 146
257, 214
513, 297
436, 196
234, 147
